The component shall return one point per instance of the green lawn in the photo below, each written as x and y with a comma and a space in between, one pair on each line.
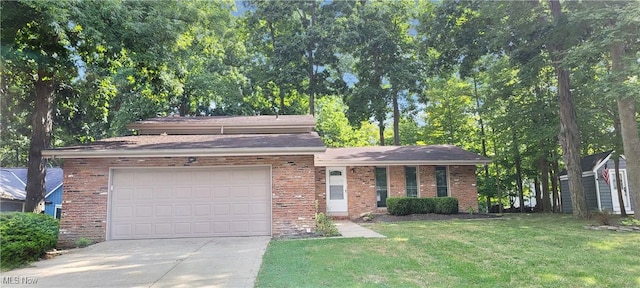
521, 251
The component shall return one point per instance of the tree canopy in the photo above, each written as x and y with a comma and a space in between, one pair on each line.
533, 85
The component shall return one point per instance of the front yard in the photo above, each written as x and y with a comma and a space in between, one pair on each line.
522, 251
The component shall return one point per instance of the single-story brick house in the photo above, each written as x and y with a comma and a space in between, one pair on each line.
239, 176
351, 182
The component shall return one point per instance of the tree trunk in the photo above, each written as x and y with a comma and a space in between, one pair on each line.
569, 133
381, 131
554, 185
536, 183
312, 72
544, 179
482, 136
498, 191
41, 125
631, 144
396, 119
518, 163
616, 165
629, 130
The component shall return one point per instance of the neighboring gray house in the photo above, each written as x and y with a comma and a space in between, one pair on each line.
599, 181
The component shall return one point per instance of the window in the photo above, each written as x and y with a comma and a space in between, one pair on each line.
411, 181
58, 211
381, 186
441, 181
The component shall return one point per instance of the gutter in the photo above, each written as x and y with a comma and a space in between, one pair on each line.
324, 163
53, 153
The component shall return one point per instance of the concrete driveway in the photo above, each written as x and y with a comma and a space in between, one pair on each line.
191, 262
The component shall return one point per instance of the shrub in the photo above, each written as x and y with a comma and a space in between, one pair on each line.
409, 205
83, 242
325, 227
630, 221
25, 237
446, 205
603, 217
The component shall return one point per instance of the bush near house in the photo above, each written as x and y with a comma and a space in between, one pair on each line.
409, 205
25, 237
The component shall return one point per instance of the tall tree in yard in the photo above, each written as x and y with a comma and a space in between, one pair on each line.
569, 132
34, 40
294, 43
614, 39
44, 42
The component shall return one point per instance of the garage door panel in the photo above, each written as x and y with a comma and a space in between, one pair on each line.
144, 211
191, 202
183, 192
182, 210
182, 228
162, 229
162, 193
202, 210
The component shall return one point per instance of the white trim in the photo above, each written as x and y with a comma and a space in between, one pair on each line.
55, 211
584, 174
625, 183
595, 178
110, 186
604, 161
183, 152
53, 190
321, 163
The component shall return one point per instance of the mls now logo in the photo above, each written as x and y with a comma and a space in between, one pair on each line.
19, 280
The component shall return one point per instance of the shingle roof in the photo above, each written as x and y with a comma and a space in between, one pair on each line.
13, 182
588, 163
195, 144
432, 154
226, 125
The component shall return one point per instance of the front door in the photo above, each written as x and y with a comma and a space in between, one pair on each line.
614, 190
337, 191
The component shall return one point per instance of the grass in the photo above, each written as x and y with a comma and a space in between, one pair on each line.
522, 251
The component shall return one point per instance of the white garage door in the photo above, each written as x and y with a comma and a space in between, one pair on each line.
190, 202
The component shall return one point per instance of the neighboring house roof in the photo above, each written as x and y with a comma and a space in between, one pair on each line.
212, 125
11, 186
591, 163
13, 182
399, 155
195, 145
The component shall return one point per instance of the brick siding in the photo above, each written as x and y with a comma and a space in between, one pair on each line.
362, 192
84, 212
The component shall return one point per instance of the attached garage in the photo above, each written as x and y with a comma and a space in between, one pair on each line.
189, 202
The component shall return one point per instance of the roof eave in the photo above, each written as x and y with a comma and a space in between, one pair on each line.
326, 163
183, 152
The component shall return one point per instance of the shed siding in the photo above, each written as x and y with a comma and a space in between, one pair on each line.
589, 191
54, 198
605, 194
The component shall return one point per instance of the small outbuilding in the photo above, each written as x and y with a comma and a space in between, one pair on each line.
600, 185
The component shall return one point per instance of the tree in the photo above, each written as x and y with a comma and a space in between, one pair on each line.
613, 39
34, 38
294, 48
334, 128
45, 43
